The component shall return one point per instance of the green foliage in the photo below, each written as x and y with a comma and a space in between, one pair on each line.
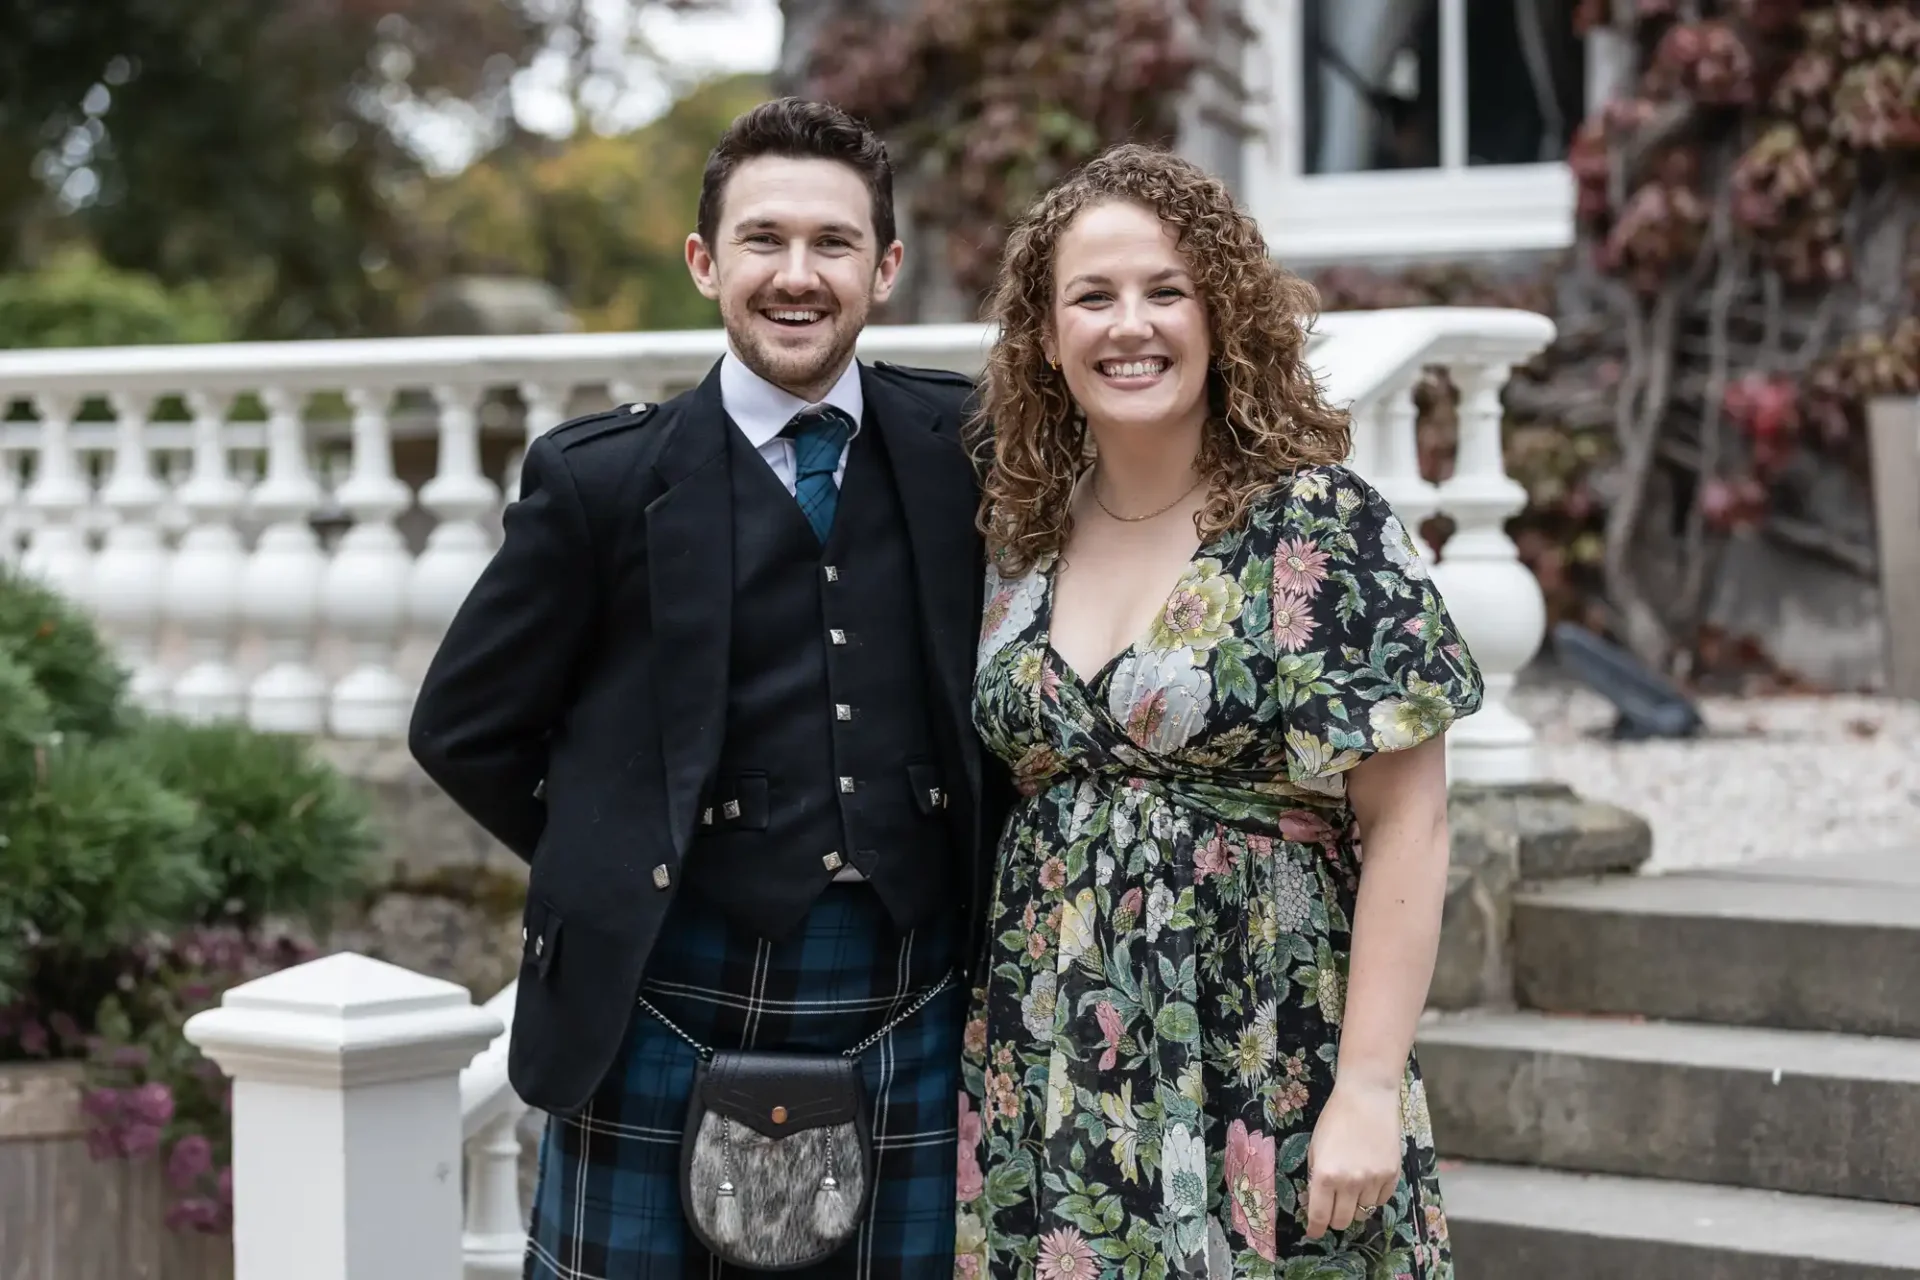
994, 100
603, 219
98, 853
26, 726
283, 835
78, 301
64, 655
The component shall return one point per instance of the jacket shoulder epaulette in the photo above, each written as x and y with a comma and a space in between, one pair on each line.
918, 373
592, 426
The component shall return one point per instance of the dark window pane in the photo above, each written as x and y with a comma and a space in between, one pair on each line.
1372, 84
1526, 81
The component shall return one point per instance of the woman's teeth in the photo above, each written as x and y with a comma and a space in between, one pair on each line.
1133, 368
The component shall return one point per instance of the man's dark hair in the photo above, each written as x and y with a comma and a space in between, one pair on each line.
796, 129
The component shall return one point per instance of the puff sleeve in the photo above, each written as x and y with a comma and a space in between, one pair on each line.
1366, 658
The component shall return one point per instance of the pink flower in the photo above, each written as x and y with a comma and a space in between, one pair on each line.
969, 1185
1053, 873
1109, 1019
1304, 826
1129, 909
1415, 626
1299, 567
1250, 1172
967, 1266
996, 611
1293, 621
1214, 858
1065, 1255
976, 1037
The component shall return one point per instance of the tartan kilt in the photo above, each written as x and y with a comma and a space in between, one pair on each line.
607, 1202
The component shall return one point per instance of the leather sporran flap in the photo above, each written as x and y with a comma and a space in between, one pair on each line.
776, 1162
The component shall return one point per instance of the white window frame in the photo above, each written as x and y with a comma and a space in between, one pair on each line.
1456, 209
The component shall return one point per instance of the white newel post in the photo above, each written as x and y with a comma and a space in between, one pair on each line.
346, 1119
1493, 598
129, 574
364, 595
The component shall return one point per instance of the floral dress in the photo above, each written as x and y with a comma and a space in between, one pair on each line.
1174, 900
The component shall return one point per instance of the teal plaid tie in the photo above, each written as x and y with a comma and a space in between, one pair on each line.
819, 436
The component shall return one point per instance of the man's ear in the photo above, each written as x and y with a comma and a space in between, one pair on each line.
701, 266
886, 272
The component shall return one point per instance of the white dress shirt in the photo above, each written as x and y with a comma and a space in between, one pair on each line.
762, 411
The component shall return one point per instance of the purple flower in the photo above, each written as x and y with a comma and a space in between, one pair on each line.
140, 1140
130, 1056
197, 1213
103, 1104
191, 1159
224, 1184
152, 1102
103, 1144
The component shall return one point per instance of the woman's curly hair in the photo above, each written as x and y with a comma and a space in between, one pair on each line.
1266, 414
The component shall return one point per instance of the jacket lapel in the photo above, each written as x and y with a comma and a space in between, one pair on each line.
690, 582
936, 486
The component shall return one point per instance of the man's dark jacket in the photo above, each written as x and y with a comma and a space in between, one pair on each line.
576, 706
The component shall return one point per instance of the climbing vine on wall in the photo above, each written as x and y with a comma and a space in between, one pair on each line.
1745, 281
992, 100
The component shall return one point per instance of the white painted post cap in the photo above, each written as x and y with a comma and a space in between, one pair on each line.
341, 1021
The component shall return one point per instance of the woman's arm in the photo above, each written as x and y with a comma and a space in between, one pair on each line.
1400, 801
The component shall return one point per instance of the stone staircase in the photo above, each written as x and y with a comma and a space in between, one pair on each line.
1710, 1075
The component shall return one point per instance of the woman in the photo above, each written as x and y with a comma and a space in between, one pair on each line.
1216, 664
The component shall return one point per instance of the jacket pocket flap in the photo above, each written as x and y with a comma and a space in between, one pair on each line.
782, 1093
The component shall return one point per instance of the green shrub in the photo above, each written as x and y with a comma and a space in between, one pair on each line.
26, 726
283, 834
83, 683
98, 854
76, 300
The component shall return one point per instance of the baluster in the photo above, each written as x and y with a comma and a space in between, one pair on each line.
203, 585
57, 500
1396, 462
364, 595
1493, 598
129, 573
494, 1241
280, 589
546, 402
459, 497
12, 528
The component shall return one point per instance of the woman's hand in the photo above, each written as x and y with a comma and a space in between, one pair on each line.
1354, 1158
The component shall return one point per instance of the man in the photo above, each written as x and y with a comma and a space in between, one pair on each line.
714, 687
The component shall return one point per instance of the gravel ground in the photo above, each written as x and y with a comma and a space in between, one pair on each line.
1773, 777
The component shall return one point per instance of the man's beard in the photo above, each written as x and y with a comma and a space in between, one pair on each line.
790, 369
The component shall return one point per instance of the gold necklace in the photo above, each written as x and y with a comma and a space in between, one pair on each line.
1093, 483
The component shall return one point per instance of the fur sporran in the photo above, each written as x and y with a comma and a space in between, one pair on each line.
776, 1162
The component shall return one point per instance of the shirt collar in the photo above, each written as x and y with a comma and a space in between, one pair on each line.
762, 410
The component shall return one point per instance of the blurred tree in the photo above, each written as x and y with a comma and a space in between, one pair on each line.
603, 219
257, 144
75, 300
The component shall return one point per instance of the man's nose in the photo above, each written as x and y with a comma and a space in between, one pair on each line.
797, 273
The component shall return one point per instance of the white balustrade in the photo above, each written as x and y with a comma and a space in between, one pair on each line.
248, 611
495, 1237
347, 1119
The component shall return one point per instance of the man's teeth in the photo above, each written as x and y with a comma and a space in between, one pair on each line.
798, 317
1133, 368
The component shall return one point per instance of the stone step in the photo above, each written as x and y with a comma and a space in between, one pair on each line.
1800, 1111
1808, 952
1525, 1224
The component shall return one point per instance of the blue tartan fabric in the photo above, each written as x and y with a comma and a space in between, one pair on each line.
607, 1205
819, 438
